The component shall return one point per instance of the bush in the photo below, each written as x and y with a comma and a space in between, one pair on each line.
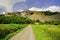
6, 29
38, 21
48, 13
15, 20
54, 22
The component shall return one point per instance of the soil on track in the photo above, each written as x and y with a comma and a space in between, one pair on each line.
26, 34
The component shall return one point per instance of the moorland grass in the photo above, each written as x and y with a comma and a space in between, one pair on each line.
47, 32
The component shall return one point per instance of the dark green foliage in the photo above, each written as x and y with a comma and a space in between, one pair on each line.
54, 22
28, 21
31, 13
48, 13
6, 29
14, 20
38, 21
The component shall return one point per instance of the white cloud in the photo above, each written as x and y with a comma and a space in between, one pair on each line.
36, 9
7, 4
20, 10
54, 8
51, 8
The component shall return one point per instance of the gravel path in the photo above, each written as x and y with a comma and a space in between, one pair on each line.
26, 34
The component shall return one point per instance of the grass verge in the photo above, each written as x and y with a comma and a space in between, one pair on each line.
47, 32
9, 30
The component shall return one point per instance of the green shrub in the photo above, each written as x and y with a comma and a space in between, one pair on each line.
6, 29
14, 20
48, 13
54, 22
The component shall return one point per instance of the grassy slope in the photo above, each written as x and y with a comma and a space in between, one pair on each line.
39, 15
11, 28
43, 18
47, 32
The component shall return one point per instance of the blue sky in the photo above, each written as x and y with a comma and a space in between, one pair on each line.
35, 3
14, 5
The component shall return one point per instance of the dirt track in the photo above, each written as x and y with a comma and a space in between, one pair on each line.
26, 34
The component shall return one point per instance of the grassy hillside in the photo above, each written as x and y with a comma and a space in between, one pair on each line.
40, 15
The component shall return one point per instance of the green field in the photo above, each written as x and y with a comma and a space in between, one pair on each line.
8, 30
47, 32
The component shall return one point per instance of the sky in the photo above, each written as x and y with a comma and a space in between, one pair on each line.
39, 5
